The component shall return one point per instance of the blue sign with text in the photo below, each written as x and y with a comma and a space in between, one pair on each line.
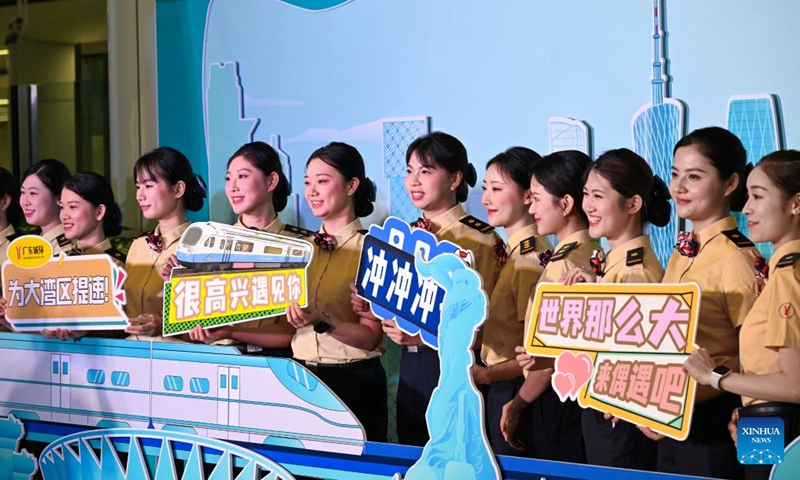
388, 278
760, 440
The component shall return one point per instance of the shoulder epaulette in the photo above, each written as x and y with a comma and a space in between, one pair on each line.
788, 260
113, 252
363, 231
478, 225
527, 245
738, 238
144, 234
562, 252
297, 230
63, 241
635, 256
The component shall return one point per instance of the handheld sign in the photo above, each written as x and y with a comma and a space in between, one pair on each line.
620, 348
388, 278
233, 275
77, 293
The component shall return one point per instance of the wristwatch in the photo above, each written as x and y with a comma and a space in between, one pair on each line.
324, 326
717, 375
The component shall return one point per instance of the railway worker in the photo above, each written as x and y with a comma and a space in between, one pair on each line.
9, 216
708, 182
340, 346
620, 195
552, 429
166, 188
438, 177
39, 194
769, 340
257, 190
9, 211
506, 197
89, 215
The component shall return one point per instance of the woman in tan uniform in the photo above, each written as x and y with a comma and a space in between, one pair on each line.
166, 188
89, 215
340, 346
552, 429
41, 188
9, 211
506, 196
769, 340
257, 190
438, 175
708, 175
621, 195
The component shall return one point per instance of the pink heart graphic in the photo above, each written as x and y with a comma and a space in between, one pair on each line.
578, 366
563, 384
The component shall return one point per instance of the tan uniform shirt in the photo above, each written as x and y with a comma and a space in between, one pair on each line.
774, 320
103, 248
632, 262
144, 287
4, 242
726, 274
57, 239
478, 237
573, 251
329, 277
504, 327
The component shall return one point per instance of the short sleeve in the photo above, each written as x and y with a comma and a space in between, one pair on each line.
739, 285
783, 317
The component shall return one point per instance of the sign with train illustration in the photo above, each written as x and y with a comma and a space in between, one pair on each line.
229, 275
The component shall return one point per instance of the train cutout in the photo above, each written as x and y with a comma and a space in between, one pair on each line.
211, 391
212, 246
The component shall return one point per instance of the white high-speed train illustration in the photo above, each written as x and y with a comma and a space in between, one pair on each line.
206, 246
212, 391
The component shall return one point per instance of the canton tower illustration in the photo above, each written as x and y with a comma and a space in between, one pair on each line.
656, 127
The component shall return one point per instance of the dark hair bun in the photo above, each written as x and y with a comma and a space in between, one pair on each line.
660, 210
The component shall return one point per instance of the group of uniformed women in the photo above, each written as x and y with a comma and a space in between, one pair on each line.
749, 330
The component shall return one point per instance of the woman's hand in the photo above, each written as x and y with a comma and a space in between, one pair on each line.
301, 317
166, 269
145, 324
699, 365
398, 336
733, 427
509, 426
656, 437
480, 374
211, 335
579, 275
360, 306
63, 334
525, 361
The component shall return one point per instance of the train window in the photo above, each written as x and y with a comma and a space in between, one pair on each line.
273, 250
192, 235
243, 247
96, 377
297, 253
173, 383
120, 379
212, 243
199, 385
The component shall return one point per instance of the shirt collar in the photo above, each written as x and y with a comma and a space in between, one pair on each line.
345, 233
581, 236
173, 235
274, 227
621, 252
8, 231
51, 235
523, 233
444, 220
99, 248
789, 247
706, 234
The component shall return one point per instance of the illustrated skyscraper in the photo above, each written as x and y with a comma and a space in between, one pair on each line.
656, 127
754, 119
568, 134
397, 136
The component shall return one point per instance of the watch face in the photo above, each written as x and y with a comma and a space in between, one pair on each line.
722, 370
322, 327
